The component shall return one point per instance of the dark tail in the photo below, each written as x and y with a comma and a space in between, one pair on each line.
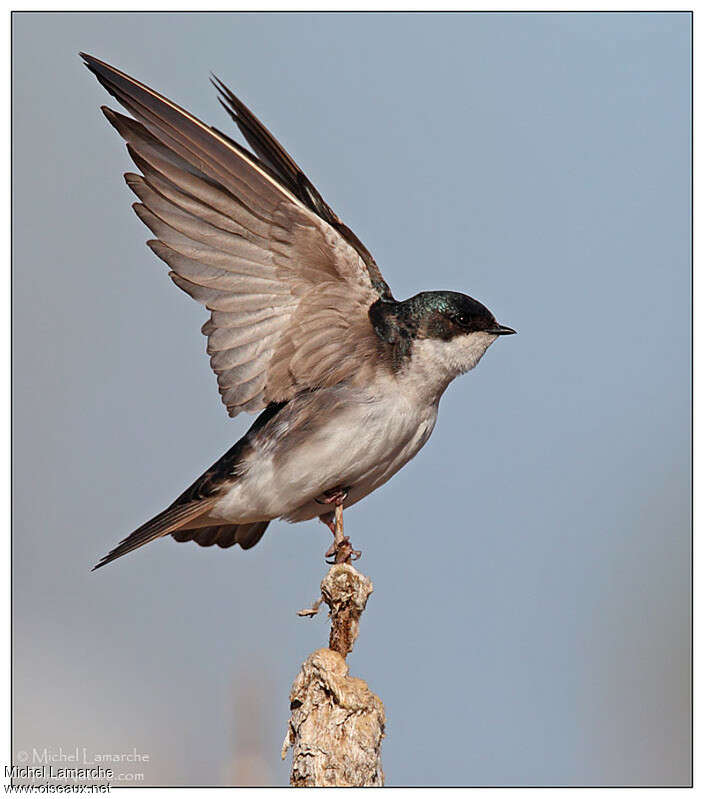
181, 520
168, 521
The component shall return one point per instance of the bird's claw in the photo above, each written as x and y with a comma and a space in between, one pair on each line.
335, 496
342, 552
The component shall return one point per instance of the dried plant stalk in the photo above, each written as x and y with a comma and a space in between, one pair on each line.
337, 723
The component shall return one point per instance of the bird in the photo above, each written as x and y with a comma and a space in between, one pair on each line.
303, 328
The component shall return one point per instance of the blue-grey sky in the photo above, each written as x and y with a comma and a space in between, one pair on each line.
533, 560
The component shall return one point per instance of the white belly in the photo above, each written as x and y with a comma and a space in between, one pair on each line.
336, 437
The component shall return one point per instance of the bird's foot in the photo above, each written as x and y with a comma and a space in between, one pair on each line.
335, 496
341, 551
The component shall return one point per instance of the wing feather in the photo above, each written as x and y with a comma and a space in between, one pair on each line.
287, 285
158, 194
150, 161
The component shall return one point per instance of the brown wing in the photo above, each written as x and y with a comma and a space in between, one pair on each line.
280, 164
287, 292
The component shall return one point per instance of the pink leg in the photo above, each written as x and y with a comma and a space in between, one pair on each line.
341, 549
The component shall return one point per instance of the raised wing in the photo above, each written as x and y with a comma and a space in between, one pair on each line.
273, 156
287, 284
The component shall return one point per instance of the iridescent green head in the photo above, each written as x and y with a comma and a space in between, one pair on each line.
433, 314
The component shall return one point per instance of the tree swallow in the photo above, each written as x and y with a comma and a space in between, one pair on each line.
302, 327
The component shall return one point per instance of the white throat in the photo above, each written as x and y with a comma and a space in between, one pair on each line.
434, 363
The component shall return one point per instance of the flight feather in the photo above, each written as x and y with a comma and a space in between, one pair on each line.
288, 286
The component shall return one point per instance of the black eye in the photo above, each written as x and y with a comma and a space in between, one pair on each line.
462, 320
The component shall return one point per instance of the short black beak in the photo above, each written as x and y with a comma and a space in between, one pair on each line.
501, 330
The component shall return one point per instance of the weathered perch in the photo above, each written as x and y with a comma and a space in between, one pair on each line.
337, 723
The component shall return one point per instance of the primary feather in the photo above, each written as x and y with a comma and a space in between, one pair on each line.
288, 286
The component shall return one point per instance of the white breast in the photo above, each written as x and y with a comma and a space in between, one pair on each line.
345, 436
360, 445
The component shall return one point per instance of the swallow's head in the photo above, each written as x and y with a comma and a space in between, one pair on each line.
443, 333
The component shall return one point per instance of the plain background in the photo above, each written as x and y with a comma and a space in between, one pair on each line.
530, 623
